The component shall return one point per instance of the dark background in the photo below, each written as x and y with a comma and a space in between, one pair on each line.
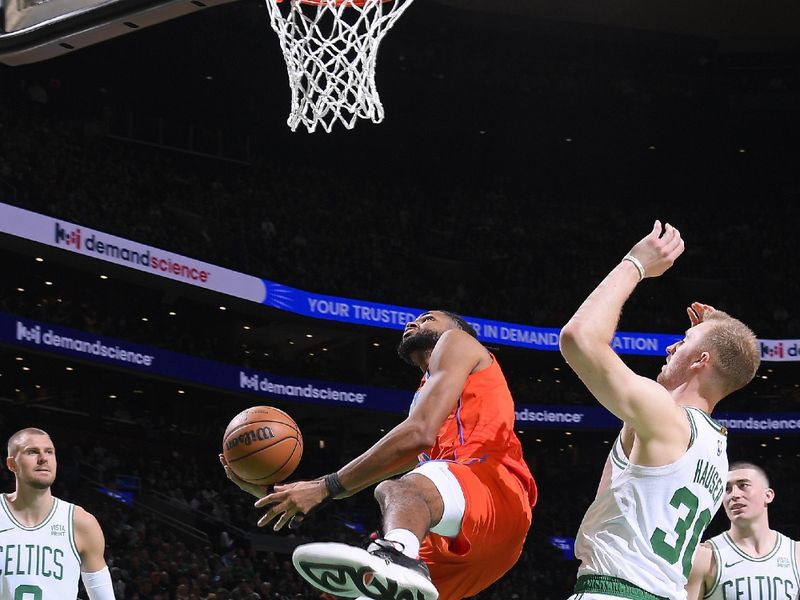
523, 153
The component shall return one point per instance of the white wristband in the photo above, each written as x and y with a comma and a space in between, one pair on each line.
636, 263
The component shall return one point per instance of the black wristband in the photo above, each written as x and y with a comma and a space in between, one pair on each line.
333, 485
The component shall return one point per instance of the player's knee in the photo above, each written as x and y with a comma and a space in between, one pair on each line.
384, 489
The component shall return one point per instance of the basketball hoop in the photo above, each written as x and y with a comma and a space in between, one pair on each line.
331, 49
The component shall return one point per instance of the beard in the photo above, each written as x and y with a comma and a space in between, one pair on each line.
38, 484
424, 340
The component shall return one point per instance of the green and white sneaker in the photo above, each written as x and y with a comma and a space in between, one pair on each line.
381, 572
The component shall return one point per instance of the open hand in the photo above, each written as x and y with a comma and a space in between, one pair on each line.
659, 249
698, 312
292, 502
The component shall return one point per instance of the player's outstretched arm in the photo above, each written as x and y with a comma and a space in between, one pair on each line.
585, 340
453, 359
703, 571
91, 546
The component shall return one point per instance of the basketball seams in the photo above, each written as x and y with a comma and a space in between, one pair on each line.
272, 445
247, 422
278, 470
257, 429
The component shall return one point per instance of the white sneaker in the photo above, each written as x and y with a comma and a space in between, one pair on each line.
382, 573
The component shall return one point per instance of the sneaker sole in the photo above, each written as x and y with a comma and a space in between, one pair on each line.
350, 572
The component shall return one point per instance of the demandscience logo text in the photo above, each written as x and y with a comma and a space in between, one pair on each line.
146, 258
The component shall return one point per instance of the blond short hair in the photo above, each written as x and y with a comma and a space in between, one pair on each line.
15, 440
735, 349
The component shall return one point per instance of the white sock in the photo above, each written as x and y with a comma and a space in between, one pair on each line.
409, 544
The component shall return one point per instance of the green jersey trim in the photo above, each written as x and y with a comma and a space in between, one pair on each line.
718, 575
71, 532
621, 462
612, 586
693, 429
714, 424
7, 509
744, 555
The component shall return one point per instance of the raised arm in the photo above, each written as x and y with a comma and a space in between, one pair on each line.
585, 343
454, 357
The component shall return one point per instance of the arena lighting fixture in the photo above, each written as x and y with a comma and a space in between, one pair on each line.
181, 392
172, 313
742, 150
322, 444
777, 437
291, 342
145, 319
376, 344
26, 368
20, 289
325, 350
48, 283
651, 147
103, 276
112, 396
39, 259
18, 358
68, 369
764, 445
223, 308
246, 327
308, 335
567, 433
538, 439
567, 139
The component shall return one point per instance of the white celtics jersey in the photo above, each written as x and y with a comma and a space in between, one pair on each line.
646, 522
40, 562
743, 577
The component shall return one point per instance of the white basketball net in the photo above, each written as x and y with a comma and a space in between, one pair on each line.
331, 48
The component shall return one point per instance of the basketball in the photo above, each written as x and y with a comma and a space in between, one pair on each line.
262, 445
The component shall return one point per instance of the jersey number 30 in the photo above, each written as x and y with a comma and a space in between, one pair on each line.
670, 553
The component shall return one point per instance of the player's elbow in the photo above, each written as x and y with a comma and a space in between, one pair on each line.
571, 339
419, 435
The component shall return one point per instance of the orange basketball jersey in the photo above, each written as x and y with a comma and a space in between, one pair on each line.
481, 428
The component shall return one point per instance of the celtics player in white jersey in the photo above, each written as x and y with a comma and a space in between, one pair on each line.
663, 479
750, 561
46, 543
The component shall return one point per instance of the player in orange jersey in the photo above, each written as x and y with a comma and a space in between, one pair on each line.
457, 520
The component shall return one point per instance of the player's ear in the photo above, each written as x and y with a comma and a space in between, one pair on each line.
11, 464
703, 359
769, 495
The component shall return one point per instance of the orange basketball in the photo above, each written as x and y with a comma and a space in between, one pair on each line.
262, 445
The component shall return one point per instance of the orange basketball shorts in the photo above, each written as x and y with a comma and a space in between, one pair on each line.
497, 516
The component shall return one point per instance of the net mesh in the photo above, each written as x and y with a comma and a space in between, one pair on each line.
331, 50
